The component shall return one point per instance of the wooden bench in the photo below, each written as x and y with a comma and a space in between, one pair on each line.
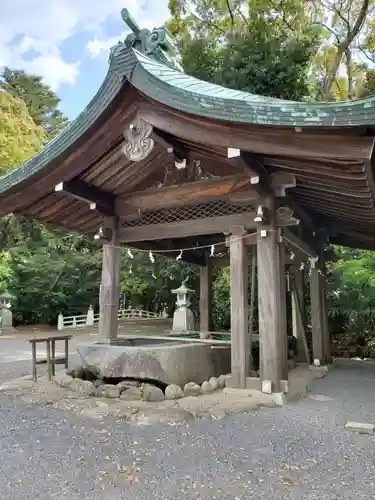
51, 359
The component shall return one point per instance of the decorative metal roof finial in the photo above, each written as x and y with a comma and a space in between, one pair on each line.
130, 22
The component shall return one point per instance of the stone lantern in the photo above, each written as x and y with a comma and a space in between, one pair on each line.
6, 316
183, 317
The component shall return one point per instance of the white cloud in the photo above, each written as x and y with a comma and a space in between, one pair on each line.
98, 46
151, 14
54, 69
32, 31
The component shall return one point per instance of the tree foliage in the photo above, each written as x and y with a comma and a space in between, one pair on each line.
345, 24
20, 138
42, 103
352, 289
58, 272
257, 46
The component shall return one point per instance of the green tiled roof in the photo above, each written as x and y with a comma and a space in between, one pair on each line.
68, 136
186, 93
148, 60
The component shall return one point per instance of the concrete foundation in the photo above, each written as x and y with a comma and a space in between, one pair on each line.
169, 361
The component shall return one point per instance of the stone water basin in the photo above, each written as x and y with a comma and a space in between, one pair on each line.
166, 360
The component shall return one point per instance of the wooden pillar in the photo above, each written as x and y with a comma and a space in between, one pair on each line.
298, 285
205, 301
110, 285
271, 336
283, 318
316, 314
325, 336
319, 312
240, 349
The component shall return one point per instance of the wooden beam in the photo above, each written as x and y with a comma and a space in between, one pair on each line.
182, 229
224, 261
110, 285
296, 242
251, 164
205, 299
183, 194
240, 348
248, 162
263, 182
97, 199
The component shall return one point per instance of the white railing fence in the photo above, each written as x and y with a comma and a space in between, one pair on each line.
92, 319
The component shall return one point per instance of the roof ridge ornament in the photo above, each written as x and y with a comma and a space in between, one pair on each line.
157, 44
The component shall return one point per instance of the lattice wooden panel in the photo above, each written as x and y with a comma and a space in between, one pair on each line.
189, 212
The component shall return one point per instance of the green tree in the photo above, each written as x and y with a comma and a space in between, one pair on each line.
20, 138
257, 46
40, 100
347, 28
352, 289
368, 87
51, 273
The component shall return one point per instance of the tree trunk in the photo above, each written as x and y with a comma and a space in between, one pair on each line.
349, 71
344, 46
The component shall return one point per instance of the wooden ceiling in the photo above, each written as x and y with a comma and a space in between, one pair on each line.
333, 170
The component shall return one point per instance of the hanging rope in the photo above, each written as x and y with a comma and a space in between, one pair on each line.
187, 249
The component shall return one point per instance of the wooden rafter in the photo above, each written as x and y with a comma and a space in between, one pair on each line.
251, 164
95, 197
170, 143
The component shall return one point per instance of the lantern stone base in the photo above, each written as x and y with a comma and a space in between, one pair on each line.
183, 320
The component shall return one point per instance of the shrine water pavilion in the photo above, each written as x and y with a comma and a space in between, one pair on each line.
161, 160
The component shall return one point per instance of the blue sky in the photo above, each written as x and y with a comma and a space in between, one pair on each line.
67, 42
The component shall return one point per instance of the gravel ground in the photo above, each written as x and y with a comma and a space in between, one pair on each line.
297, 452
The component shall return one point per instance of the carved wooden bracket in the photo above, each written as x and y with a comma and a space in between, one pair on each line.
280, 181
104, 235
138, 142
284, 217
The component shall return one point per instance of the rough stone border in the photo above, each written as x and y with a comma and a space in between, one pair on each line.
132, 391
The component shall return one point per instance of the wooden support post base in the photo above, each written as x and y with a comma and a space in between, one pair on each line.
284, 386
267, 386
